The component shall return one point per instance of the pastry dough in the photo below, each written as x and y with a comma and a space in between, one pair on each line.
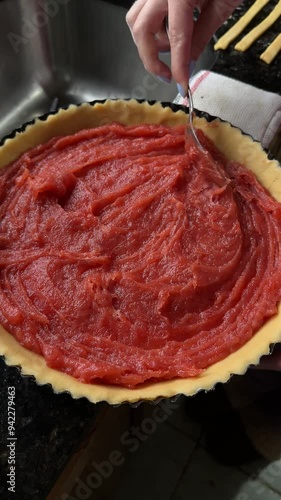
235, 146
238, 27
272, 50
255, 33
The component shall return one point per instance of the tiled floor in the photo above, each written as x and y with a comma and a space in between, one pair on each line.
176, 462
198, 448
268, 473
157, 466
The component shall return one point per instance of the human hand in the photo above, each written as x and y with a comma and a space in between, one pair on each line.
186, 39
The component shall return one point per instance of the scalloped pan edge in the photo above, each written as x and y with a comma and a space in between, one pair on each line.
236, 146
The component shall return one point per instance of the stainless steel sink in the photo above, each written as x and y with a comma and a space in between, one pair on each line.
57, 52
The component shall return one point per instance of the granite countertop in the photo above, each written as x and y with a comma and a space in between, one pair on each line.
246, 66
50, 426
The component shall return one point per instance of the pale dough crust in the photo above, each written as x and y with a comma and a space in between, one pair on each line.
241, 24
235, 146
272, 50
256, 32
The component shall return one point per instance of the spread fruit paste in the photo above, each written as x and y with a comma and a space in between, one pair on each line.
125, 258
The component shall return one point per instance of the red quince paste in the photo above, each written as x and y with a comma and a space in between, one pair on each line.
125, 258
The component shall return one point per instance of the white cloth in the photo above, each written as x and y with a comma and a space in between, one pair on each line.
254, 111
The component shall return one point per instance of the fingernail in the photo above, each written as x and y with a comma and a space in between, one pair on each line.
163, 79
181, 90
191, 68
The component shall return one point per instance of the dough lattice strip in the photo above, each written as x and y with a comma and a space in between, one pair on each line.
256, 32
238, 27
272, 50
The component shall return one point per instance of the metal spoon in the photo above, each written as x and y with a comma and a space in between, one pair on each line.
190, 130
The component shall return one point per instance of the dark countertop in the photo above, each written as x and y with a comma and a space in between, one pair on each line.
246, 66
48, 426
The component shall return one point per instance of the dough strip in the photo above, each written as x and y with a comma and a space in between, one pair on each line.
272, 50
255, 33
238, 27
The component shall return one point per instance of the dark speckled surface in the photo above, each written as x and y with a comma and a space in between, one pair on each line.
247, 66
49, 426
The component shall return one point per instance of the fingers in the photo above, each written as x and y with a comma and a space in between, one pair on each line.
162, 40
145, 21
180, 36
213, 14
185, 38
134, 12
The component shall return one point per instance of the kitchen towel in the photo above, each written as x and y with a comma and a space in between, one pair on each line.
253, 110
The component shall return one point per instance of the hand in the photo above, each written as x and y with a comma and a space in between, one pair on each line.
186, 40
